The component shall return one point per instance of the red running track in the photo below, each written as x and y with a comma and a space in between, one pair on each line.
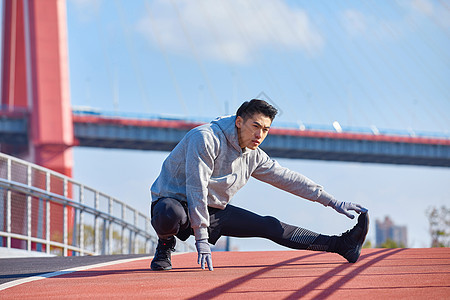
379, 274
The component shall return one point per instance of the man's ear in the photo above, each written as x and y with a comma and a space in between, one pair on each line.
239, 121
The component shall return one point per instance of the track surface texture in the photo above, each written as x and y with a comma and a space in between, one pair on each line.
379, 274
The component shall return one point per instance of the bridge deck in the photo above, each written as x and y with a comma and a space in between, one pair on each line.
96, 130
380, 273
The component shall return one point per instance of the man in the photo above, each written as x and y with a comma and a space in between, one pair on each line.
205, 170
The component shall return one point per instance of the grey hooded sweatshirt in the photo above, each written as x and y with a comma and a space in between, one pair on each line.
208, 167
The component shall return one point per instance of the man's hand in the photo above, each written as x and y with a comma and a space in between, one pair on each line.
345, 207
204, 254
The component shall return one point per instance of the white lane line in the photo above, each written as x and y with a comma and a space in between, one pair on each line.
17, 282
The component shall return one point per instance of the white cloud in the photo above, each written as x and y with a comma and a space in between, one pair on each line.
383, 26
441, 15
371, 27
230, 30
416, 10
422, 6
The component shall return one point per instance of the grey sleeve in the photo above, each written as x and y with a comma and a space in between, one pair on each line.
199, 166
270, 171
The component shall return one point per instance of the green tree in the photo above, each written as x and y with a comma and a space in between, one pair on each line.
367, 244
439, 222
89, 241
392, 244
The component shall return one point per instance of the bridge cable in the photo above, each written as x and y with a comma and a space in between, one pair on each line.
131, 51
335, 78
345, 59
105, 55
439, 23
216, 33
388, 83
406, 77
430, 43
418, 57
273, 36
156, 33
369, 63
262, 67
196, 55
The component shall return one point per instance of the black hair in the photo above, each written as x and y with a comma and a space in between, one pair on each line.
249, 108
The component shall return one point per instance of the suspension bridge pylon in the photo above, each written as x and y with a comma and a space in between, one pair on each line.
35, 79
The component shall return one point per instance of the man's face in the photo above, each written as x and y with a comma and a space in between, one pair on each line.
253, 131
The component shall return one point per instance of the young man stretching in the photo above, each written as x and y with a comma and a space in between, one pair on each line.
209, 165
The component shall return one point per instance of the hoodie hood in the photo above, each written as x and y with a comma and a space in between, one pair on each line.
228, 126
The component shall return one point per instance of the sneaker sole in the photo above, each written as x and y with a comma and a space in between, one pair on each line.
353, 255
161, 269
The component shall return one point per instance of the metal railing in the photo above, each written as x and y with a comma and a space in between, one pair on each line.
42, 210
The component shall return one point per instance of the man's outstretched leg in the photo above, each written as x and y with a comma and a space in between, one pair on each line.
238, 222
168, 219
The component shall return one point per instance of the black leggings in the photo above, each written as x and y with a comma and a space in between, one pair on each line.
170, 218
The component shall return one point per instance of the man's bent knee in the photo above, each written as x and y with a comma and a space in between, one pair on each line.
167, 217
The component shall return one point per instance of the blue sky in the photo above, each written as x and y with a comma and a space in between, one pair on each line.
361, 63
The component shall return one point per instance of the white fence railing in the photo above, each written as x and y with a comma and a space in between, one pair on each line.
41, 210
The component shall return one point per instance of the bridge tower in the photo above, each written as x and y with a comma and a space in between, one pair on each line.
35, 78
35, 81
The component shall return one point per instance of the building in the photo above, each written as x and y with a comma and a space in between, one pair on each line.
388, 230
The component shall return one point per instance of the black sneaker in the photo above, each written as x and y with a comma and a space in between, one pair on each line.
349, 244
162, 259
